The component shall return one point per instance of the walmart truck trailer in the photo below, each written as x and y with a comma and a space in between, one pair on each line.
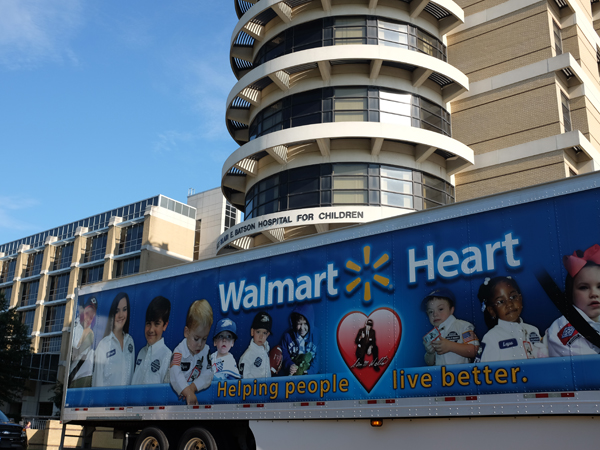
474, 322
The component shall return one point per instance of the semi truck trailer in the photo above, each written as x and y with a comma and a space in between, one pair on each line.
473, 322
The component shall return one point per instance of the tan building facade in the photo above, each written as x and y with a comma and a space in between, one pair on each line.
40, 273
532, 112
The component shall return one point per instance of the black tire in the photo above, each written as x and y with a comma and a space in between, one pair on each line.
197, 439
152, 438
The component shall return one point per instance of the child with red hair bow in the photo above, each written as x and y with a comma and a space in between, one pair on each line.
582, 289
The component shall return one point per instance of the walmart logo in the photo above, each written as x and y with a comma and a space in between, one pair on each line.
379, 279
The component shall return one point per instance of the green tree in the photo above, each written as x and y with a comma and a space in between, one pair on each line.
15, 348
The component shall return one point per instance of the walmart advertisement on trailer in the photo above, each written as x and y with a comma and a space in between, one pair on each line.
501, 301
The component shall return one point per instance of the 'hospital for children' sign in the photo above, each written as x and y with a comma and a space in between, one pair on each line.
493, 302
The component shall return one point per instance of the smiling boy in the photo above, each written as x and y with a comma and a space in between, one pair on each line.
255, 363
190, 367
451, 341
153, 360
223, 362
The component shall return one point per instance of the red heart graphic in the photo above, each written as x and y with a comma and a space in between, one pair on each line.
368, 353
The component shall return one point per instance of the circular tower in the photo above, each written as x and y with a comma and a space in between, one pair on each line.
341, 115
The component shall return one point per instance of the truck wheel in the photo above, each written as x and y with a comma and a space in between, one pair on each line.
197, 439
152, 439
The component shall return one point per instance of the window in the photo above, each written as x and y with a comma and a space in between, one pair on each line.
230, 216
8, 270
345, 184
92, 274
557, 38
63, 256
58, 287
197, 239
127, 266
29, 293
50, 344
27, 318
55, 317
7, 292
131, 238
566, 112
350, 30
33, 266
95, 248
355, 104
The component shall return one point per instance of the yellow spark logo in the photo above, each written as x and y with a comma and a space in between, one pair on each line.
379, 279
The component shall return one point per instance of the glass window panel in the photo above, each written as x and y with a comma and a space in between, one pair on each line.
403, 187
350, 32
393, 118
350, 197
345, 104
398, 174
306, 120
350, 92
306, 108
304, 200
395, 107
325, 182
434, 194
349, 21
398, 200
393, 26
393, 36
395, 96
298, 187
304, 172
350, 169
374, 183
269, 195
325, 197
350, 116
373, 197
434, 182
350, 182
427, 204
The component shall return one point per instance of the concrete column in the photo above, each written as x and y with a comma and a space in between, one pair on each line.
114, 234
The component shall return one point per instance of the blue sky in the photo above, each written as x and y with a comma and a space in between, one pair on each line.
103, 103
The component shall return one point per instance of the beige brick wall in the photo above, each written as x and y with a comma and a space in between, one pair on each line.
505, 117
575, 42
514, 175
512, 41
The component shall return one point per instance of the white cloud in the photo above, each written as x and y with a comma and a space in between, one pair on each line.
33, 32
8, 207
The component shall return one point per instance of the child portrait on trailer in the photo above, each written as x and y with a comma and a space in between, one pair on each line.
152, 363
451, 341
223, 362
299, 343
582, 291
255, 362
115, 354
509, 338
82, 353
190, 370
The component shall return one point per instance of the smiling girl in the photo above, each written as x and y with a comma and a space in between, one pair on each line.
509, 337
582, 289
115, 355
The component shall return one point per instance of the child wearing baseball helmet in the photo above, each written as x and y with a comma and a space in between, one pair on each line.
582, 289
223, 362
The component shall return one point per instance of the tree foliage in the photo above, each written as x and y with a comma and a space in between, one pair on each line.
15, 347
